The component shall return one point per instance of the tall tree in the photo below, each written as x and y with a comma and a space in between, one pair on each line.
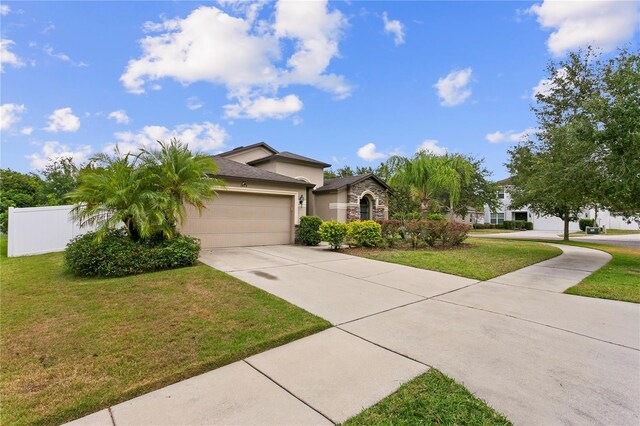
18, 190
587, 152
60, 178
617, 112
427, 175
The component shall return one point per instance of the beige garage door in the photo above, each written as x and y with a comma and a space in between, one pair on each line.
236, 219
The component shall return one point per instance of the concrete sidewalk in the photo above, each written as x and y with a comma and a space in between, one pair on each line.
531, 352
628, 240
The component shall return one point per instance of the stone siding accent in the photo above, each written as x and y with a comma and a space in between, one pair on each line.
379, 209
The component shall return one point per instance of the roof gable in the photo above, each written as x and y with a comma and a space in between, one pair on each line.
241, 149
232, 169
290, 157
343, 182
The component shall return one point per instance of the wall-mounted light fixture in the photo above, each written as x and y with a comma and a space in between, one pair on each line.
243, 184
301, 199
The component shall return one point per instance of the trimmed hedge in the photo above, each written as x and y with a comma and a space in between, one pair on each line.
366, 233
334, 233
309, 230
528, 226
117, 255
583, 223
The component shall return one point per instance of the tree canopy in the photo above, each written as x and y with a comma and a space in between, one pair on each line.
587, 147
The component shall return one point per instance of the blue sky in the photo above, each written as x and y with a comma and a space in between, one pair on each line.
343, 82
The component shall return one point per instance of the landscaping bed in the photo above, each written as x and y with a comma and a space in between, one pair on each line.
429, 399
479, 259
72, 346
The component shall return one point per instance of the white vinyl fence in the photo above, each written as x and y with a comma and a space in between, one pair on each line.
37, 230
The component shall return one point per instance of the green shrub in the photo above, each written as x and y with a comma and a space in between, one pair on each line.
366, 233
528, 226
518, 224
117, 255
507, 224
308, 231
432, 231
454, 233
391, 231
479, 226
334, 233
583, 223
435, 216
413, 230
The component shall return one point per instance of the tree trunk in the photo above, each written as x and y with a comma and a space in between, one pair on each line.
425, 207
566, 227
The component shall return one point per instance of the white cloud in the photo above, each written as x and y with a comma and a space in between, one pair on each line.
509, 135
395, 27
63, 57
63, 120
453, 89
8, 57
10, 114
4, 9
52, 150
262, 108
193, 103
544, 86
368, 152
204, 136
430, 146
243, 53
26, 131
120, 116
603, 24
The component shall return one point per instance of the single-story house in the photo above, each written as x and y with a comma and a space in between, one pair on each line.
268, 191
548, 223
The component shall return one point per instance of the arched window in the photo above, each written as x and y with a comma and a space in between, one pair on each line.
365, 208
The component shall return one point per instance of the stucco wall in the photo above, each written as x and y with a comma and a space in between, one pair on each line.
323, 202
249, 155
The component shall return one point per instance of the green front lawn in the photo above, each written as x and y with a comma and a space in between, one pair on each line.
480, 259
618, 280
609, 232
492, 231
430, 399
73, 346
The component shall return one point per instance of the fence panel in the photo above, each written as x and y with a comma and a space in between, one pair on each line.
37, 230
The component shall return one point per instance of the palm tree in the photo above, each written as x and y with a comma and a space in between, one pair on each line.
146, 192
181, 177
427, 174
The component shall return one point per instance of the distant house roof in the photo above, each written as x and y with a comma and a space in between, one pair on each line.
246, 148
339, 183
504, 182
232, 169
290, 157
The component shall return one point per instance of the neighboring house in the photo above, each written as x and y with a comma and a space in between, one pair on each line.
268, 191
472, 216
548, 223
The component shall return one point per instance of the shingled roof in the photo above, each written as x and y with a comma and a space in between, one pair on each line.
290, 157
504, 182
233, 169
339, 183
246, 148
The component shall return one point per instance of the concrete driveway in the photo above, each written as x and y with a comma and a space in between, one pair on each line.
532, 352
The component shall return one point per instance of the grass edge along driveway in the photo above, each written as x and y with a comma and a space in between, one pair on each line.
482, 259
431, 398
72, 346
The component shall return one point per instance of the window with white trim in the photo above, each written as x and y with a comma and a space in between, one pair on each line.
497, 218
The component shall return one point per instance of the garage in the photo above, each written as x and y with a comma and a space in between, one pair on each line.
235, 219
